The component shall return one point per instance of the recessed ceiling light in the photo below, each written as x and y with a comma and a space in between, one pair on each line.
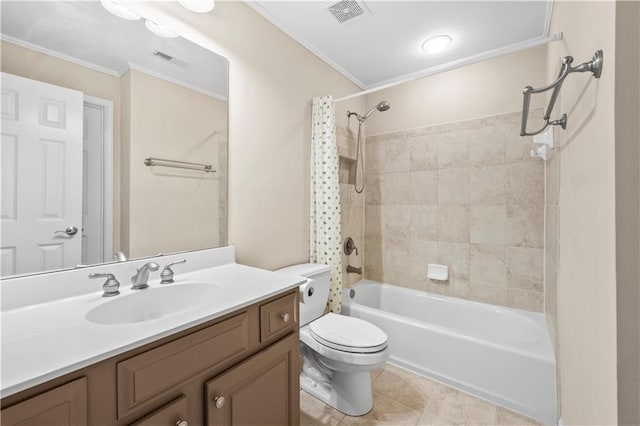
159, 30
198, 6
437, 43
119, 10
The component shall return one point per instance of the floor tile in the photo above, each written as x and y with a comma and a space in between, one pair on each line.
450, 406
405, 387
386, 411
509, 418
314, 412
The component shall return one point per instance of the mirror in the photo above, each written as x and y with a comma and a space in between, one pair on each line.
114, 139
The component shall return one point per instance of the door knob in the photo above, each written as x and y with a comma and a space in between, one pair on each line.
285, 317
70, 231
219, 401
182, 423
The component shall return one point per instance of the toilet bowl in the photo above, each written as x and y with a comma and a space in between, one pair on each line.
338, 352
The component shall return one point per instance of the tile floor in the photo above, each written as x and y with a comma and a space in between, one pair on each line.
403, 398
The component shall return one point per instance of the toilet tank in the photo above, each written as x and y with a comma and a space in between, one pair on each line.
313, 302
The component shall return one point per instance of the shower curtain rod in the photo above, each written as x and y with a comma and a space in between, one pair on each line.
456, 64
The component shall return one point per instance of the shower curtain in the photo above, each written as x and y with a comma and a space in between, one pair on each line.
324, 227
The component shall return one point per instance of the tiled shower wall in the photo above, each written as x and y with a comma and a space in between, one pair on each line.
351, 203
467, 195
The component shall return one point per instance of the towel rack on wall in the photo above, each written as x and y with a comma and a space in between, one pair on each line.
153, 161
594, 66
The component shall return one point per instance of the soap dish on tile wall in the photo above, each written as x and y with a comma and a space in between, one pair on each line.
438, 272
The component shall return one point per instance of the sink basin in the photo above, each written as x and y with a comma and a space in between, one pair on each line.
154, 303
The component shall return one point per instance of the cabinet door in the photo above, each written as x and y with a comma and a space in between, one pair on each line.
172, 414
62, 406
264, 390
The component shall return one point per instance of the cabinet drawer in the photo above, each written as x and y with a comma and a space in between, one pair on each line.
149, 374
278, 317
64, 405
171, 414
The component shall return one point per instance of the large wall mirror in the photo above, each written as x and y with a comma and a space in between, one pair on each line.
114, 138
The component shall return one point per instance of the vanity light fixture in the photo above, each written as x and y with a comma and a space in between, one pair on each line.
159, 30
119, 10
437, 43
198, 6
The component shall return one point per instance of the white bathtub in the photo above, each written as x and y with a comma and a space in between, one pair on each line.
499, 354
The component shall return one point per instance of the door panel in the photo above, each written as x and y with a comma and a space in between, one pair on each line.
41, 175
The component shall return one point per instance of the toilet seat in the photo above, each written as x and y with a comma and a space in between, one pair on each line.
348, 334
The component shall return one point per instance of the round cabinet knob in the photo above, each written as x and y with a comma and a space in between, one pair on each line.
219, 401
285, 317
182, 423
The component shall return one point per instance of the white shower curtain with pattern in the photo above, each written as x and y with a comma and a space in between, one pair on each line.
325, 196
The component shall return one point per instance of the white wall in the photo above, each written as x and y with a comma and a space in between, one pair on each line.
586, 288
272, 79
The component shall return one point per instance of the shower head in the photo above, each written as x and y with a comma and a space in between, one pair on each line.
382, 107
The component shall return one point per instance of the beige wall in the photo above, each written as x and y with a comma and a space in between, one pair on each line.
38, 66
628, 209
172, 209
271, 83
586, 282
478, 90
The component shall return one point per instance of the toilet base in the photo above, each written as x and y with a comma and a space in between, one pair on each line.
349, 393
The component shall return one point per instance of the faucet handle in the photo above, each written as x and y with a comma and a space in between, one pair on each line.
110, 286
166, 276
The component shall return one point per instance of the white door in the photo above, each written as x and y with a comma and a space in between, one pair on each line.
41, 176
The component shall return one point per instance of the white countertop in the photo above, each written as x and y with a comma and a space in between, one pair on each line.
47, 340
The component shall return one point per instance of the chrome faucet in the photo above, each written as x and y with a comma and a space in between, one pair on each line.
110, 286
139, 280
166, 276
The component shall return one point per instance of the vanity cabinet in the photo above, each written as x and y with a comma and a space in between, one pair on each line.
239, 369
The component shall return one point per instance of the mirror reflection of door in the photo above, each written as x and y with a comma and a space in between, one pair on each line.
56, 151
41, 175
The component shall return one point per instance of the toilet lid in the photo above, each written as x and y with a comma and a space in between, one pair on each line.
348, 334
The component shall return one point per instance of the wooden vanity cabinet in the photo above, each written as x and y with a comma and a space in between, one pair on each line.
248, 360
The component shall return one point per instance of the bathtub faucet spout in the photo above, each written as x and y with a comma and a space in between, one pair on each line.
354, 270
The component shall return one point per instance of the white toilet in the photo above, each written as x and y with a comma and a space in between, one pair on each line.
338, 351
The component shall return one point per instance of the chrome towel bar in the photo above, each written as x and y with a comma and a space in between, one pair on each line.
594, 66
152, 161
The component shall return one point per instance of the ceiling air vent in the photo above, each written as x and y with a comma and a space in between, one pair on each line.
347, 10
171, 59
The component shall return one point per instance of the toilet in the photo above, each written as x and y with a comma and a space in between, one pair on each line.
338, 352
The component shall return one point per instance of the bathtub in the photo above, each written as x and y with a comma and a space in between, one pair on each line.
499, 354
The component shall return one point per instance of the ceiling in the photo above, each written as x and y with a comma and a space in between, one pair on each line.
86, 33
384, 45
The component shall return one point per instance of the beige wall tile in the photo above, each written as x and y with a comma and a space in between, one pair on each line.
421, 253
395, 189
424, 222
525, 225
494, 294
453, 224
456, 257
396, 222
396, 156
524, 299
374, 157
487, 185
373, 220
525, 184
423, 153
517, 148
453, 186
453, 149
525, 268
372, 192
424, 187
486, 146
488, 224
487, 264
